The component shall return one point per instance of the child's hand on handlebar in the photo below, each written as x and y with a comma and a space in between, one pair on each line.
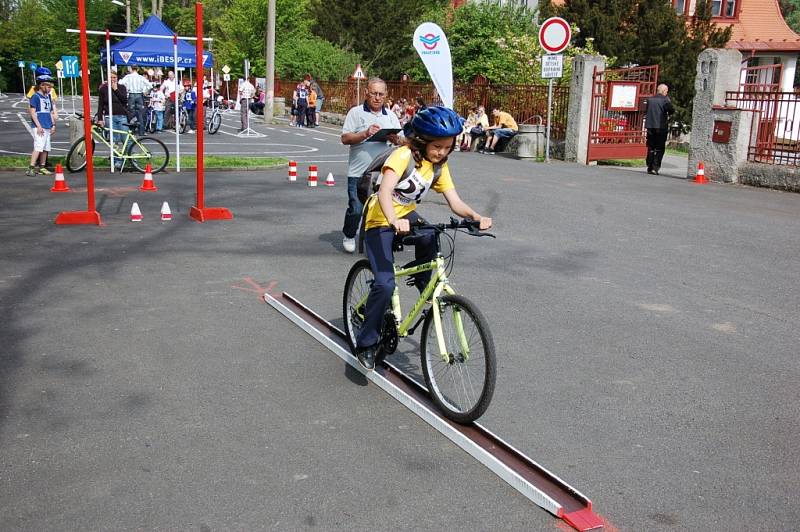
401, 226
485, 223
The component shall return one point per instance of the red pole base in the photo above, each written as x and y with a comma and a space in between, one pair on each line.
78, 218
210, 213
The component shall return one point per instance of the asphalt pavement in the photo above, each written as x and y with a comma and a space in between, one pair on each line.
645, 327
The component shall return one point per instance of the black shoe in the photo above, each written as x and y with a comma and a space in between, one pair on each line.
366, 356
650, 171
655, 170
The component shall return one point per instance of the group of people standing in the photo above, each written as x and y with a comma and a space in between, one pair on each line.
307, 100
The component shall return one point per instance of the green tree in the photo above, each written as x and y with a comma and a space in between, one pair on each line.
380, 32
239, 30
498, 42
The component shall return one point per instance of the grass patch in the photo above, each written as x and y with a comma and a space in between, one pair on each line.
187, 161
623, 162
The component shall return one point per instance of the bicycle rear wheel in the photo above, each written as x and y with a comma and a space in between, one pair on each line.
214, 123
461, 386
76, 156
356, 289
149, 151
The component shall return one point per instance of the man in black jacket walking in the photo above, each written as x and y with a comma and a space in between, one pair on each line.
659, 107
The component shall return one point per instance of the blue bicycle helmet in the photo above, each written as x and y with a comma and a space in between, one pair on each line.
43, 74
437, 122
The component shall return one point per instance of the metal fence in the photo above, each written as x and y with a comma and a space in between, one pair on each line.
776, 125
526, 103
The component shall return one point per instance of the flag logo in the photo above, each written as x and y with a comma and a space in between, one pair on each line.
125, 56
429, 40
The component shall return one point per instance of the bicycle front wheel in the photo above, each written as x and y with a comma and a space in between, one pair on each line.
150, 151
461, 382
183, 121
356, 289
214, 123
76, 156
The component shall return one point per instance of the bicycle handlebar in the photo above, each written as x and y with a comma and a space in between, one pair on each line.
472, 226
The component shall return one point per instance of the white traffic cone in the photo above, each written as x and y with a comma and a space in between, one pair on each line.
166, 214
136, 213
329, 181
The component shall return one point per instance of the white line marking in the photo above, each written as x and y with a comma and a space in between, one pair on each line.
321, 140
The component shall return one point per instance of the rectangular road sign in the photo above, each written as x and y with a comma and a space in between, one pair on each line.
226, 77
552, 66
71, 66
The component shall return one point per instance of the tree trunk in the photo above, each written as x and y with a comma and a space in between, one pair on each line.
140, 9
154, 8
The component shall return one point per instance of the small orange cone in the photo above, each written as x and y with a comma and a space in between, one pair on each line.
136, 213
60, 185
166, 213
292, 170
700, 177
312, 175
148, 185
329, 181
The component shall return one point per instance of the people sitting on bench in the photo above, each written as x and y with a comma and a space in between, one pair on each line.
500, 132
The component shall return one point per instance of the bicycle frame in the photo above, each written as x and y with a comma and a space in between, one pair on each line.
437, 284
98, 132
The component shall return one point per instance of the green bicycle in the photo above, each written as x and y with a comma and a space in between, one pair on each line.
456, 349
140, 151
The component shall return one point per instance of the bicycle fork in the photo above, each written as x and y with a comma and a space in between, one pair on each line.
458, 324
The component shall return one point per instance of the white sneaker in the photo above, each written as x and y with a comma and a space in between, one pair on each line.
349, 244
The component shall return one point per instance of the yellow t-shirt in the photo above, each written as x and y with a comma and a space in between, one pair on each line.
504, 119
408, 191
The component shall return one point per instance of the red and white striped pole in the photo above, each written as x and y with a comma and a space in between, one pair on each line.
312, 175
292, 170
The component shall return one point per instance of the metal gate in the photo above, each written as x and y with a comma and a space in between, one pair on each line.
616, 120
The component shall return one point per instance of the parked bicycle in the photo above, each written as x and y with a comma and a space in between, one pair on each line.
456, 347
140, 151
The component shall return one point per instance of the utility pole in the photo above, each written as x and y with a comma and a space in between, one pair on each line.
128, 16
268, 103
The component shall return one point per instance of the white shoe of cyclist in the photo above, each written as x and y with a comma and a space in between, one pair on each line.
349, 244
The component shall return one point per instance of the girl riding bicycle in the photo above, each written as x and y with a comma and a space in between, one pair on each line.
393, 209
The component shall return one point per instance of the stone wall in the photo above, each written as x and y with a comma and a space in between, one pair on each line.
771, 176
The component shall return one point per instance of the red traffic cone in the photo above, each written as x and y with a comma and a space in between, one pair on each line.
700, 177
312, 175
60, 185
292, 170
136, 213
329, 181
148, 185
166, 213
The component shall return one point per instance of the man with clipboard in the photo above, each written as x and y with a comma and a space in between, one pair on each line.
367, 128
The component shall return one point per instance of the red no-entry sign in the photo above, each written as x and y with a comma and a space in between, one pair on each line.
554, 35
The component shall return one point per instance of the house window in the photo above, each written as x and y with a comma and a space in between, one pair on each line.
723, 8
680, 7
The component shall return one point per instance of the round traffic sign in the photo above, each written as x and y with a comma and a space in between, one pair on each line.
554, 35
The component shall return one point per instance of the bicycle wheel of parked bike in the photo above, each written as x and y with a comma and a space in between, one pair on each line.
214, 123
462, 385
356, 288
151, 123
184, 120
149, 151
76, 156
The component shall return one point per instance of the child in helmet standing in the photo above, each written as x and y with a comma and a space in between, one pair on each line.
43, 121
393, 209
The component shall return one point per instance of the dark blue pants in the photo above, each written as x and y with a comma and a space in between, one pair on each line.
378, 244
352, 216
137, 109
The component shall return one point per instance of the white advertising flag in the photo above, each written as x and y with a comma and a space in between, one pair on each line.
431, 44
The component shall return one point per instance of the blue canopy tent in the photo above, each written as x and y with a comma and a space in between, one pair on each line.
147, 51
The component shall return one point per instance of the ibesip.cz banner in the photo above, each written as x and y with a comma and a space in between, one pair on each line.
430, 42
